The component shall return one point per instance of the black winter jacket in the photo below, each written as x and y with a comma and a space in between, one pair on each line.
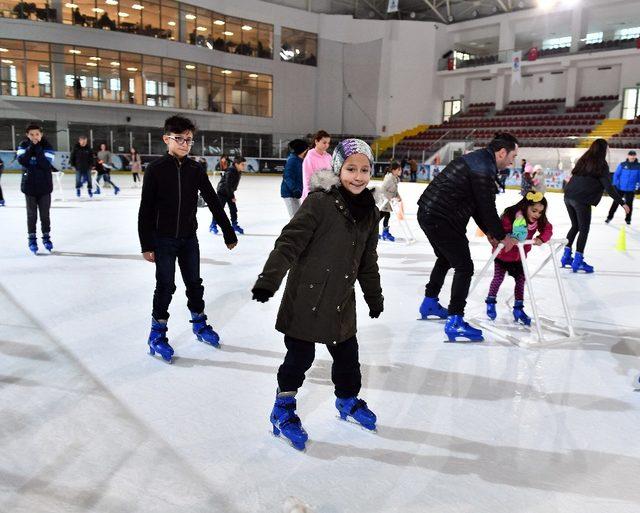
465, 188
588, 189
228, 184
83, 158
36, 161
170, 200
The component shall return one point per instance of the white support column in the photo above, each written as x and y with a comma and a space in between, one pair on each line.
579, 27
507, 39
501, 87
572, 87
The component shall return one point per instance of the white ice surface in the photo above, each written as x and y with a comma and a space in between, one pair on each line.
90, 423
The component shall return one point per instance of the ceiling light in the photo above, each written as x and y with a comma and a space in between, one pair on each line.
76, 52
7, 61
190, 66
227, 33
253, 75
450, 19
115, 63
297, 51
98, 10
218, 22
71, 6
132, 69
172, 23
4, 50
247, 27
546, 4
226, 72
190, 16
111, 2
137, 7
201, 29
123, 14
92, 64
95, 58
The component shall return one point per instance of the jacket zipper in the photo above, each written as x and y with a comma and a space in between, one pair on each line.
179, 166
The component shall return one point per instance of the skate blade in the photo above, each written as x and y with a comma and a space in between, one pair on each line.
200, 339
283, 439
160, 357
464, 340
434, 318
350, 420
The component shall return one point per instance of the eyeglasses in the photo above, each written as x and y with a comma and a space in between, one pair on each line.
181, 140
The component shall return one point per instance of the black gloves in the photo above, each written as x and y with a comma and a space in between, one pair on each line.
262, 295
374, 314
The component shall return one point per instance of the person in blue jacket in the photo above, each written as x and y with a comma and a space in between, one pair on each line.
36, 156
291, 188
627, 180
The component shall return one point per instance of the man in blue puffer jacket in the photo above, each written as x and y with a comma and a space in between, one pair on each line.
627, 180
291, 188
36, 156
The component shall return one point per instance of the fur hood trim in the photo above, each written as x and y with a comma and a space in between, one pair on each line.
323, 180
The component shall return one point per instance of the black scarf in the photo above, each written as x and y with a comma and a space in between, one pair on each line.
360, 205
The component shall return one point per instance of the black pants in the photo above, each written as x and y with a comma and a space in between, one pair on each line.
345, 371
385, 216
106, 178
580, 215
187, 251
37, 204
628, 196
414, 176
503, 182
452, 250
233, 209
80, 174
1, 196
136, 177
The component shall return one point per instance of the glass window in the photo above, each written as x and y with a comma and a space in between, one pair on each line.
556, 42
170, 86
27, 10
451, 108
152, 74
265, 41
628, 33
12, 68
233, 35
188, 21
217, 90
594, 37
38, 69
169, 20
202, 87
109, 71
131, 77
299, 47
630, 106
249, 45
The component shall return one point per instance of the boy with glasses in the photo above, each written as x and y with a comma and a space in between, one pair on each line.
167, 229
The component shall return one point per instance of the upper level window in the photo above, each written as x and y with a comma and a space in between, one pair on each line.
556, 42
299, 47
628, 33
594, 37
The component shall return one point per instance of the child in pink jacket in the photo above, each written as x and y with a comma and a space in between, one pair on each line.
523, 221
317, 158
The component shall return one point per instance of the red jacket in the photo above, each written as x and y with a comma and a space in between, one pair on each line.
532, 229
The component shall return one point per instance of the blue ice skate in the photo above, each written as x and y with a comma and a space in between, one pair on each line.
285, 421
213, 228
456, 327
491, 307
566, 259
78, 191
46, 242
33, 243
238, 229
203, 331
90, 192
116, 190
2, 203
579, 264
97, 191
356, 409
518, 314
158, 341
386, 235
431, 306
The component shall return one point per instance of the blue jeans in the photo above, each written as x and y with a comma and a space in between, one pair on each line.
81, 177
187, 251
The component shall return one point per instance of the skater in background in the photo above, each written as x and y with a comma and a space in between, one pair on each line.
526, 183
465, 188
317, 158
1, 170
328, 245
388, 193
104, 165
227, 187
525, 220
413, 170
589, 179
538, 183
223, 164
83, 159
36, 157
291, 187
167, 230
626, 180
135, 164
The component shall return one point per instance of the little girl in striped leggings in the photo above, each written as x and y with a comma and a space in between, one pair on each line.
523, 220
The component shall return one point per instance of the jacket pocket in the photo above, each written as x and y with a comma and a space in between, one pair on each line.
311, 295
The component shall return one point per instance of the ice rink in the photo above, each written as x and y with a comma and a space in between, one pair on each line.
91, 423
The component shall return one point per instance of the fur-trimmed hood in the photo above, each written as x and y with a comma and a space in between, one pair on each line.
323, 180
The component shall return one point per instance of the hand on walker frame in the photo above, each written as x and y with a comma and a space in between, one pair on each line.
149, 256
538, 241
509, 243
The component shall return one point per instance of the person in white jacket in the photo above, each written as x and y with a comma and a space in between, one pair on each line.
388, 193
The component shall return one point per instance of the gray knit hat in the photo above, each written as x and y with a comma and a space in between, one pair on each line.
347, 148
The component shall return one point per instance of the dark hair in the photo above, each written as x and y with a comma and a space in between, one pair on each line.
593, 162
178, 125
82, 136
522, 206
32, 126
134, 150
106, 147
394, 165
503, 140
239, 159
321, 134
